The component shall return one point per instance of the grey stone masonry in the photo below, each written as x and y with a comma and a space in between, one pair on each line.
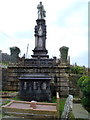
0, 78
40, 40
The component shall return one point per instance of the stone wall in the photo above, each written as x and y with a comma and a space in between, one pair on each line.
54, 72
58, 74
3, 78
0, 78
74, 89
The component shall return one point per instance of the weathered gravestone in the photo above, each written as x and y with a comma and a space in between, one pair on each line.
64, 54
67, 108
14, 53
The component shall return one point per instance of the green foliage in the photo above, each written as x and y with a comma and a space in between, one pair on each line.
84, 84
86, 101
5, 102
53, 100
77, 70
5, 63
81, 80
16, 98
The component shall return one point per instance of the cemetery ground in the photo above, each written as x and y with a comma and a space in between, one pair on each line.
78, 112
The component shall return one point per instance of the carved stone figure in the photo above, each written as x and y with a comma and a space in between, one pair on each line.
67, 108
41, 11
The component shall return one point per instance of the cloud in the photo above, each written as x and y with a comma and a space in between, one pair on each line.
23, 34
66, 25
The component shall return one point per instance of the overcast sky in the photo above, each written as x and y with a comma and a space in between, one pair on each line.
67, 25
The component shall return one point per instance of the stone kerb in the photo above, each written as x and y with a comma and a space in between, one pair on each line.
22, 108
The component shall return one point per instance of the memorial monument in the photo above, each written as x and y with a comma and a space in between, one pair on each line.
40, 34
36, 78
36, 86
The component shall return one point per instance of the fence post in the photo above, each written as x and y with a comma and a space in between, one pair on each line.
58, 105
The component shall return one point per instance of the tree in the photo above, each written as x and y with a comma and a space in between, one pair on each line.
84, 84
77, 70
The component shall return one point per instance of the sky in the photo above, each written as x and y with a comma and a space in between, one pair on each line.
67, 25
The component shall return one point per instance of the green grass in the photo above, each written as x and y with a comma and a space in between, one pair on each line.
4, 63
6, 102
16, 98
53, 100
62, 102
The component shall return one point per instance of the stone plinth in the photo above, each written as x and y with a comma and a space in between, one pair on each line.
59, 75
35, 87
40, 40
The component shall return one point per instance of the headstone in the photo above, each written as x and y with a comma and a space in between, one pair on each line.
67, 108
64, 54
14, 53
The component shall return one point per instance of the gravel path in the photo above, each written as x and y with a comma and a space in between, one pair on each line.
80, 112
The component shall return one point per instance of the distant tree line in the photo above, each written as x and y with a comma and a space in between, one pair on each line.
78, 70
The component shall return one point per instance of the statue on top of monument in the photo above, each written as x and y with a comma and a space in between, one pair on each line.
41, 11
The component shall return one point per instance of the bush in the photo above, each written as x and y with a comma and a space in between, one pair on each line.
86, 101
84, 84
77, 70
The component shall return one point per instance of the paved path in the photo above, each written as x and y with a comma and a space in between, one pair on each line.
80, 112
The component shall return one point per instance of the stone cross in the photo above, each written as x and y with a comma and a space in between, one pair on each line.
67, 108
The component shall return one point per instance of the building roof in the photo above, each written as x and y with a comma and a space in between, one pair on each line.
35, 77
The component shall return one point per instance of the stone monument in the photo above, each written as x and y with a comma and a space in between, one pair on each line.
40, 34
14, 53
36, 86
36, 78
67, 108
64, 54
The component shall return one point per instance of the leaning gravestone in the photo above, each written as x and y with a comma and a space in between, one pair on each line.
67, 108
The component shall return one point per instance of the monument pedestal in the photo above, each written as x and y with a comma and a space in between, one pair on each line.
40, 40
35, 87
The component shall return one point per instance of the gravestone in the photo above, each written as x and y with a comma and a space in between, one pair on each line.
14, 53
67, 108
64, 54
